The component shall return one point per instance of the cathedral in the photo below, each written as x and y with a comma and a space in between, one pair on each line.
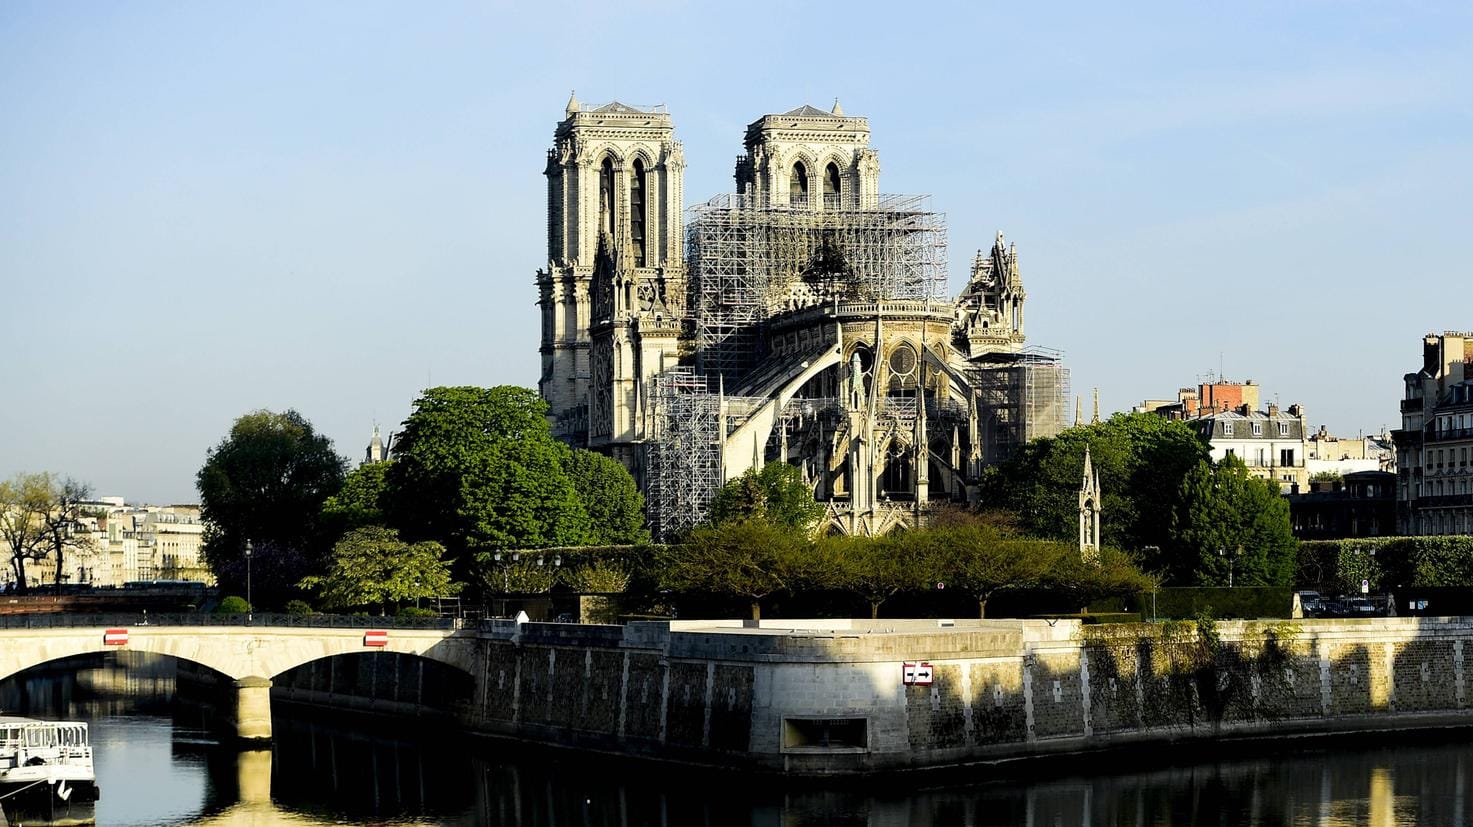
803, 318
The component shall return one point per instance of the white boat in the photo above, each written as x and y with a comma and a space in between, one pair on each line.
46, 772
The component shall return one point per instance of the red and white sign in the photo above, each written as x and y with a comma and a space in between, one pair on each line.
917, 674
376, 637
115, 637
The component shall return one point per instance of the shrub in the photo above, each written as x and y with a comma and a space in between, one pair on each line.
298, 607
415, 611
233, 605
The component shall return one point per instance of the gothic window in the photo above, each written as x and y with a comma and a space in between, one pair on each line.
831, 185
798, 186
636, 212
606, 196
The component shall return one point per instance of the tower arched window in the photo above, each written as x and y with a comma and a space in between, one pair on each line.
636, 212
831, 185
606, 196
798, 186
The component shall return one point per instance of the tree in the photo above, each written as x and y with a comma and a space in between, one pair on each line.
63, 519
478, 468
777, 494
980, 562
750, 559
1325, 476
1228, 521
359, 502
1109, 573
266, 482
24, 502
609, 496
372, 566
878, 568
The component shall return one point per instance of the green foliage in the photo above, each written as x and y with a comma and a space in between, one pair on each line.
876, 568
750, 559
371, 566
266, 482
233, 605
478, 467
298, 607
1387, 562
359, 502
522, 576
1141, 460
1249, 602
609, 496
1226, 519
776, 494
1325, 476
599, 577
414, 611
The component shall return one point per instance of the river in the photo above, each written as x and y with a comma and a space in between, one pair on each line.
161, 760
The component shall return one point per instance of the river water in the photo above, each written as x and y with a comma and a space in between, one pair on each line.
163, 761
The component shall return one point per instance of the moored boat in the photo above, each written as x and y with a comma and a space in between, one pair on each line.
46, 772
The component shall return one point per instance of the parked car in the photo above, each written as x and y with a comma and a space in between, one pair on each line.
1311, 604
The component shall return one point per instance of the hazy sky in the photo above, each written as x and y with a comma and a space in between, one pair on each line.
209, 208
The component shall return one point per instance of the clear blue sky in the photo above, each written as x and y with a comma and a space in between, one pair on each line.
209, 208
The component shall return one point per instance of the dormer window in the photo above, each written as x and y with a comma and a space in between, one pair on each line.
1227, 429
798, 186
1258, 429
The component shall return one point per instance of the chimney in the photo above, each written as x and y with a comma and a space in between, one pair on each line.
1296, 410
1245, 410
1273, 410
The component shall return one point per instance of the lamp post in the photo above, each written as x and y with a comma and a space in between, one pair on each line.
250, 607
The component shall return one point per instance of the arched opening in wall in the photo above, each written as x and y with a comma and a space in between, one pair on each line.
115, 683
866, 365
831, 186
385, 682
606, 196
897, 481
798, 185
637, 212
904, 367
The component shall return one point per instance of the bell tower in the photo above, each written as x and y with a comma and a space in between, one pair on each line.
807, 158
613, 291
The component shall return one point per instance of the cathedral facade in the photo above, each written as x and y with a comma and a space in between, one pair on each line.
801, 319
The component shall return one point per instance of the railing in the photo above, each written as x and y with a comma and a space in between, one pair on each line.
1434, 435
1411, 405
61, 620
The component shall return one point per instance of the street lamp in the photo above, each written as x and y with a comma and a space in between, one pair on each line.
250, 607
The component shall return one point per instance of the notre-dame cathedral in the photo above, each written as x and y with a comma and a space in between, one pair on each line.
802, 319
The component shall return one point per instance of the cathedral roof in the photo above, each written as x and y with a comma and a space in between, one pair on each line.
617, 108
806, 111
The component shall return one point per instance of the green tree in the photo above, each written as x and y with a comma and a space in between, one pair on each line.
878, 568
1141, 460
1228, 521
266, 482
25, 499
748, 559
478, 468
776, 494
359, 502
609, 496
372, 566
64, 498
980, 561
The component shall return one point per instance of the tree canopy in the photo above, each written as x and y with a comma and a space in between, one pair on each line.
359, 502
371, 566
776, 494
1225, 521
479, 468
609, 496
25, 500
266, 482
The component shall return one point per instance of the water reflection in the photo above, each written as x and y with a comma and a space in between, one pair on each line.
177, 769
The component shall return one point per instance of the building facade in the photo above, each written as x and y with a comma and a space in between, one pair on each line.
800, 319
1359, 504
1434, 482
1273, 443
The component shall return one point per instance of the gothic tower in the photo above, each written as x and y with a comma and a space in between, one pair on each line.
809, 159
1089, 511
614, 288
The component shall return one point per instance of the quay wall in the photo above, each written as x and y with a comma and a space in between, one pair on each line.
827, 697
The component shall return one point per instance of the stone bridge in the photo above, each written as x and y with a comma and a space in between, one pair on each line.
250, 655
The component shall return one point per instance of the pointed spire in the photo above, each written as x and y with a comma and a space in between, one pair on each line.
572, 103
1078, 411
838, 110
1096, 418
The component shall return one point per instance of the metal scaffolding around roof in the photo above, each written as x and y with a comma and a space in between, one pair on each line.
1021, 396
747, 258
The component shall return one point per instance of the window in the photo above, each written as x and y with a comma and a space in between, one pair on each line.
798, 186
1231, 452
636, 212
1283, 429
606, 196
1227, 429
1258, 429
1286, 457
831, 186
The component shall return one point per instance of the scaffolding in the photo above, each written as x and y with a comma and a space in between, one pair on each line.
746, 258
683, 455
1020, 397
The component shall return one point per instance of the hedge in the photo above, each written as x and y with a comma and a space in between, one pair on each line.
1339, 566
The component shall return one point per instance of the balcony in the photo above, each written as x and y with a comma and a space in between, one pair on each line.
1449, 434
1411, 406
